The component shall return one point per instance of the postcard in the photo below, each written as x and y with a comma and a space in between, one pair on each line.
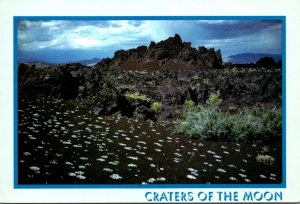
188, 107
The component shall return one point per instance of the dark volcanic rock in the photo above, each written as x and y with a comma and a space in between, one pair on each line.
165, 74
167, 114
266, 62
144, 112
39, 82
97, 110
104, 91
171, 53
171, 94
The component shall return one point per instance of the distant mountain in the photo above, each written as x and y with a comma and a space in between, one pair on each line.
33, 61
246, 58
89, 62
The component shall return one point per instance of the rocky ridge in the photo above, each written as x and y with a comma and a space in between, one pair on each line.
171, 53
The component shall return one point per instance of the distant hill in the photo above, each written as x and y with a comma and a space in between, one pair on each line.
246, 58
34, 61
87, 62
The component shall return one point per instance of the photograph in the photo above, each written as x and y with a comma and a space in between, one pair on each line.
143, 101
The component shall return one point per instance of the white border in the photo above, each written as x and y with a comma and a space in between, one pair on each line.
10, 8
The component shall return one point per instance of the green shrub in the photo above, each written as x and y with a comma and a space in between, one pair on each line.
137, 95
155, 106
189, 103
211, 123
214, 99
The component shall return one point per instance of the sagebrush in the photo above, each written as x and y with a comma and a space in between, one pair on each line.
209, 122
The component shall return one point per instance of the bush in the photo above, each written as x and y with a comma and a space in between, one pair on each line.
211, 123
189, 103
214, 99
137, 95
155, 106
266, 159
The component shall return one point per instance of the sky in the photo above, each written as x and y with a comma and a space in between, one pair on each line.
60, 41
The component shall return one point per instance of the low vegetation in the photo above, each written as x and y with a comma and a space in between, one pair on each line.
137, 95
188, 103
209, 122
265, 159
214, 99
155, 106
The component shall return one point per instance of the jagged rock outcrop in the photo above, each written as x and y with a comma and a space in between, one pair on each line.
171, 53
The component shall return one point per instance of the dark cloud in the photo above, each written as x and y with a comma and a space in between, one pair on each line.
233, 29
231, 36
